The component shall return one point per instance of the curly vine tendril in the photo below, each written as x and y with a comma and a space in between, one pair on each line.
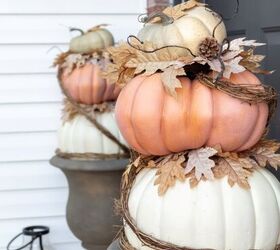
157, 49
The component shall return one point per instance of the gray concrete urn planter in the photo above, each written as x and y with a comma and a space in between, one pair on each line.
93, 186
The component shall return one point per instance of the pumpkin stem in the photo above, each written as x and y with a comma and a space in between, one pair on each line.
77, 29
164, 19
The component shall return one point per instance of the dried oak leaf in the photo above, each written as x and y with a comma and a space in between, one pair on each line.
120, 55
192, 179
72, 61
150, 62
237, 170
179, 10
168, 173
170, 80
111, 73
134, 164
252, 62
60, 58
233, 66
239, 43
198, 159
148, 67
265, 153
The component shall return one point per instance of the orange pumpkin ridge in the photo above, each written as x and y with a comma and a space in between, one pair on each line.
85, 85
123, 111
153, 122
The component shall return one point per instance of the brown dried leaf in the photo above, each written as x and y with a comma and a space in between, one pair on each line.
153, 61
60, 58
97, 27
126, 175
170, 80
68, 111
125, 75
72, 61
265, 153
198, 159
252, 62
237, 170
148, 67
121, 53
111, 73
151, 164
135, 164
168, 173
192, 179
254, 67
178, 10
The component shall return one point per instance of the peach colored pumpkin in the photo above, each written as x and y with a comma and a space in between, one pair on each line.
85, 85
153, 122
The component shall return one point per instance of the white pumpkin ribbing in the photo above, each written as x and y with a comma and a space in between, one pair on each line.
212, 215
80, 136
188, 31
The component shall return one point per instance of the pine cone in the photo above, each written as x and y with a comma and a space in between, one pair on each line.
209, 48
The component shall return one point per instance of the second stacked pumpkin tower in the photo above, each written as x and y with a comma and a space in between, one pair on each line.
196, 115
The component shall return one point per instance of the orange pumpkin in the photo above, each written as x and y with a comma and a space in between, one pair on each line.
155, 123
85, 85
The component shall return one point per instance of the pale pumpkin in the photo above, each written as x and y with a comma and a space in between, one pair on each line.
95, 39
212, 215
80, 136
155, 123
85, 85
188, 31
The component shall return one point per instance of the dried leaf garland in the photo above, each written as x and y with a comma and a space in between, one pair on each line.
144, 58
74, 61
205, 164
168, 173
138, 164
69, 61
69, 111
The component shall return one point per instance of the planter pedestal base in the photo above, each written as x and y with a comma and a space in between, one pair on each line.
93, 187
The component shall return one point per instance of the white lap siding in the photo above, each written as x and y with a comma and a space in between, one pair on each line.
31, 191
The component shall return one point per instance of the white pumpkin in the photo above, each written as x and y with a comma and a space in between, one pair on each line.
94, 39
188, 31
212, 215
80, 136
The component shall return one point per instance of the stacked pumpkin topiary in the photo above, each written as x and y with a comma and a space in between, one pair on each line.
91, 151
196, 117
89, 129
